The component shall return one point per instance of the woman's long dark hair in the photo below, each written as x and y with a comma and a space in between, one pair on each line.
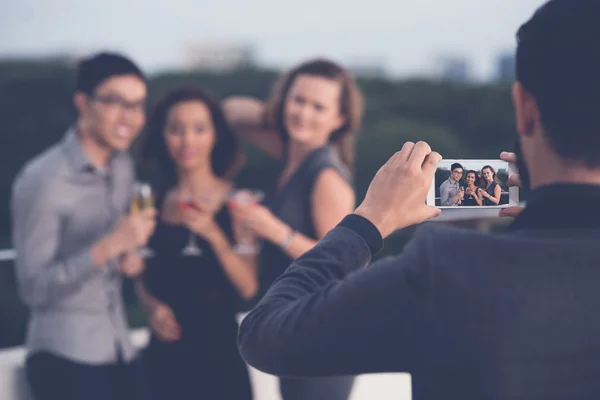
153, 156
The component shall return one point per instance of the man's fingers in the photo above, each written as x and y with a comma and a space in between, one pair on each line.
404, 153
432, 212
508, 156
514, 181
511, 211
418, 154
431, 162
149, 213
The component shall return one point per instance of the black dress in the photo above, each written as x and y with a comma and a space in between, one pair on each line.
205, 362
292, 204
490, 191
469, 200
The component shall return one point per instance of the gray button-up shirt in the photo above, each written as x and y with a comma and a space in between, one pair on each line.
448, 191
62, 205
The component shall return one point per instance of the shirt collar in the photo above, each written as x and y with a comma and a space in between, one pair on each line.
78, 160
561, 206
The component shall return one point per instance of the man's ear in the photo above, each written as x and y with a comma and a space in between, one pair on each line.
81, 102
526, 110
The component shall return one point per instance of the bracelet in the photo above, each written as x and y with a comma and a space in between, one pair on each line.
285, 244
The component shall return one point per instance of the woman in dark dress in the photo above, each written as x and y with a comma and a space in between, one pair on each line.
472, 198
309, 122
192, 283
490, 190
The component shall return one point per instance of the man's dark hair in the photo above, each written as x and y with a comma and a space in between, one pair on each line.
456, 165
94, 70
558, 63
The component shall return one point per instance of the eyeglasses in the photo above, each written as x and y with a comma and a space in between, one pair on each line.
114, 101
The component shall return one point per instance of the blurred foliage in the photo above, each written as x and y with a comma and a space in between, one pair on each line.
459, 121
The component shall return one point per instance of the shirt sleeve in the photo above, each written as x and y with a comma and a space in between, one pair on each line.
330, 314
43, 278
445, 199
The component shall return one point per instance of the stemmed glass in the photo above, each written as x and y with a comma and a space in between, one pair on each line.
187, 201
245, 197
142, 198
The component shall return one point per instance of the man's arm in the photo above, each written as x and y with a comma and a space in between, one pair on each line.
322, 318
445, 199
42, 277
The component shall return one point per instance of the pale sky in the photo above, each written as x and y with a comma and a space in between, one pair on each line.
406, 36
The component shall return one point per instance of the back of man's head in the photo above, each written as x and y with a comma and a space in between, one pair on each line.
558, 63
96, 69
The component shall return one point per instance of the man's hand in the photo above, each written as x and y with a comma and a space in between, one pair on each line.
513, 181
132, 264
134, 231
459, 197
397, 196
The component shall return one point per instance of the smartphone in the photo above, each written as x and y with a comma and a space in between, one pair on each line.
466, 189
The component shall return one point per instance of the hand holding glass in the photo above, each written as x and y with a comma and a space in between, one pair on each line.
142, 199
241, 198
190, 202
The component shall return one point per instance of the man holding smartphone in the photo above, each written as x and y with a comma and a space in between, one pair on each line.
521, 324
74, 240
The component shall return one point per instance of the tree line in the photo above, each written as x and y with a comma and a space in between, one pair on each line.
457, 120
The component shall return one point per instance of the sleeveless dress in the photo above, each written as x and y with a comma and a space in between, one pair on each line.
292, 204
490, 191
205, 362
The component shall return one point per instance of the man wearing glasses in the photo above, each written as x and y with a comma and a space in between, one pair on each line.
450, 194
74, 241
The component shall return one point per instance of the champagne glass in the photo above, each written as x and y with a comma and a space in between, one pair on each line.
142, 199
191, 249
245, 197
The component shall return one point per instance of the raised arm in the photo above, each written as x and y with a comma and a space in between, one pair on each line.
245, 115
44, 276
322, 318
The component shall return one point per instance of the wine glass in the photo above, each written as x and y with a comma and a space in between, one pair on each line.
142, 198
191, 249
245, 197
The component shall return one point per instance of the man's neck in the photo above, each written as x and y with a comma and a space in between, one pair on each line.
559, 171
97, 153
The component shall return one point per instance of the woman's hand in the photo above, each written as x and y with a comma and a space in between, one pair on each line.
199, 221
260, 220
163, 323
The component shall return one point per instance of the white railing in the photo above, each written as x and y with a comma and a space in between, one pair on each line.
8, 255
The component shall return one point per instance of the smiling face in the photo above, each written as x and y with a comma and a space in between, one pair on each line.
488, 175
457, 174
312, 109
470, 178
115, 113
189, 135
